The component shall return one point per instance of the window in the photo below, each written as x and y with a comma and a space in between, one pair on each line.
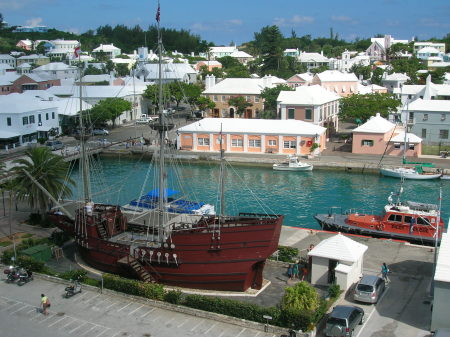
290, 144
396, 145
236, 142
254, 143
224, 98
291, 113
39, 118
411, 146
46, 116
256, 99
425, 117
367, 142
8, 121
24, 120
247, 98
424, 133
395, 217
53, 115
272, 142
442, 117
31, 119
308, 114
443, 134
215, 98
203, 141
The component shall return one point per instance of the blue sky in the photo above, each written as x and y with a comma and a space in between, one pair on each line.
237, 20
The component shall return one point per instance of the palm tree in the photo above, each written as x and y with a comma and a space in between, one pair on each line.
49, 170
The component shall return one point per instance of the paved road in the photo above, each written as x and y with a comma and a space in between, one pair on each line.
92, 314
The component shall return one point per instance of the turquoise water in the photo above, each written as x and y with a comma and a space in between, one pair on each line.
297, 195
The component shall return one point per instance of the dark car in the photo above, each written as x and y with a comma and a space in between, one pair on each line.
343, 320
369, 289
54, 145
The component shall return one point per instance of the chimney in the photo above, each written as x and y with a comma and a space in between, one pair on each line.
210, 81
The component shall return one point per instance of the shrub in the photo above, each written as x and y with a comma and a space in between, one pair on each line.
6, 256
59, 237
334, 291
133, 287
31, 264
34, 219
173, 296
297, 319
92, 282
77, 274
287, 254
301, 297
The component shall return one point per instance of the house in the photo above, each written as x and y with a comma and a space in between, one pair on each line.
371, 89
109, 50
379, 46
299, 80
291, 52
172, 72
62, 48
429, 91
57, 70
210, 65
251, 136
96, 79
344, 84
18, 83
24, 119
313, 60
24, 68
394, 81
420, 45
250, 88
31, 29
349, 59
337, 260
429, 55
441, 286
218, 52
381, 137
430, 120
8, 59
242, 56
25, 44
35, 59
311, 104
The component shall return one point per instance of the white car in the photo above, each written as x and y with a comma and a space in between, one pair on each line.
100, 132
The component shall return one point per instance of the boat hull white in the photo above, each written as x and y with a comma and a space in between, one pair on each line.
280, 167
408, 174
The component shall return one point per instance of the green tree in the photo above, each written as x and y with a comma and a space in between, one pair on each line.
364, 106
47, 169
239, 103
300, 297
40, 48
177, 91
108, 110
319, 69
358, 69
377, 75
91, 70
269, 41
270, 96
152, 95
204, 103
122, 69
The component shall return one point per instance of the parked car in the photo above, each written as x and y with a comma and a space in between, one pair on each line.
100, 132
369, 289
54, 145
343, 320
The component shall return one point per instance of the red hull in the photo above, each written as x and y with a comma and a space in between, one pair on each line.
192, 259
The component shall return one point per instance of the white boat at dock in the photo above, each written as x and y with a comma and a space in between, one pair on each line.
292, 164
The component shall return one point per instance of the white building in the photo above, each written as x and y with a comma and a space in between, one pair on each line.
57, 70
218, 52
109, 50
62, 48
394, 81
419, 45
349, 59
377, 50
171, 72
8, 59
338, 260
313, 60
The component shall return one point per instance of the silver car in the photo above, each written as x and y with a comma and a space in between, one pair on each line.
369, 289
343, 320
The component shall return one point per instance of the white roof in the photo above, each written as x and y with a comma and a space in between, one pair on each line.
307, 95
8, 78
376, 124
254, 126
429, 105
312, 57
428, 50
24, 65
6, 57
16, 103
369, 89
170, 70
96, 78
33, 57
222, 49
396, 77
443, 261
240, 54
336, 76
250, 86
105, 48
339, 247
53, 66
5, 66
97, 91
410, 138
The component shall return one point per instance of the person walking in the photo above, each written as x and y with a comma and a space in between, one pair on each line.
384, 272
45, 304
295, 270
289, 271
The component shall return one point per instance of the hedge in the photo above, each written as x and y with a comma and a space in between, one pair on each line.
133, 287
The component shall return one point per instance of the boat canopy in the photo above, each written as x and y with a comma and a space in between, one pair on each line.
418, 206
168, 193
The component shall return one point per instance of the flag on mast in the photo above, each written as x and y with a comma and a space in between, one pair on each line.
77, 51
158, 13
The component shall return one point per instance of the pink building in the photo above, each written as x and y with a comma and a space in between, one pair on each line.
379, 136
251, 136
208, 64
299, 80
343, 84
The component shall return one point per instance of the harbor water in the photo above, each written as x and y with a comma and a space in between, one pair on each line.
296, 195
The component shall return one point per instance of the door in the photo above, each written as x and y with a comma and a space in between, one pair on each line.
331, 271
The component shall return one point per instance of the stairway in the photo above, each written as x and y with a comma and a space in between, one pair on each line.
143, 274
101, 231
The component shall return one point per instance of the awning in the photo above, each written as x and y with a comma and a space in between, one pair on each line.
43, 128
155, 193
8, 134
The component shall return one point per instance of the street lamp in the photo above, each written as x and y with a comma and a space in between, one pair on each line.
266, 326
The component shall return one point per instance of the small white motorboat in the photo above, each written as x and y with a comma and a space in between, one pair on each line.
292, 164
409, 173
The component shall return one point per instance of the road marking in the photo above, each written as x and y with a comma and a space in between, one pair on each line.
48, 317
148, 313
31, 310
87, 331
155, 318
74, 319
109, 306
19, 309
179, 326
101, 333
12, 305
135, 310
195, 327
77, 327
257, 334
56, 322
210, 328
80, 297
93, 298
240, 333
124, 307
221, 333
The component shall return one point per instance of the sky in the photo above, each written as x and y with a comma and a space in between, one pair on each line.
223, 22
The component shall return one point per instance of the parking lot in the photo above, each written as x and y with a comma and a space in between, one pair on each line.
92, 314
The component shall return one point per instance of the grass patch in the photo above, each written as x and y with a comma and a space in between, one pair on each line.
27, 235
5, 243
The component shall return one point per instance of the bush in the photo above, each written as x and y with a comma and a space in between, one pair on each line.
92, 282
287, 254
31, 264
77, 274
297, 319
6, 257
58, 238
173, 296
133, 287
34, 219
334, 291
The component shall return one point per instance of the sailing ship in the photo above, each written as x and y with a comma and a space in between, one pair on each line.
204, 251
410, 221
292, 164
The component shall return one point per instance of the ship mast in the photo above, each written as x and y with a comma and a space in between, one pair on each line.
222, 179
162, 126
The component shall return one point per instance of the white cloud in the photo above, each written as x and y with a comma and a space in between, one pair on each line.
295, 20
341, 18
14, 4
235, 22
33, 22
